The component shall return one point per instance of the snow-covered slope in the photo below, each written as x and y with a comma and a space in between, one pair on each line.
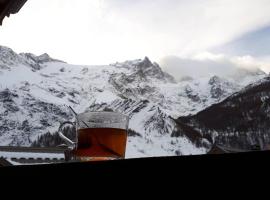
240, 121
36, 90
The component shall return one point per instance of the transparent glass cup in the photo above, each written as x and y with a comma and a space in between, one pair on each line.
99, 136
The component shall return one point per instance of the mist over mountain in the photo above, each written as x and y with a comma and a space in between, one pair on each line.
207, 64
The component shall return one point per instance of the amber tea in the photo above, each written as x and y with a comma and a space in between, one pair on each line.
99, 136
101, 142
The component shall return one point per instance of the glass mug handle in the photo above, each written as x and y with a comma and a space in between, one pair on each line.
70, 143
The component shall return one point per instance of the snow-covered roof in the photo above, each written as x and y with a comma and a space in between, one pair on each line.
28, 155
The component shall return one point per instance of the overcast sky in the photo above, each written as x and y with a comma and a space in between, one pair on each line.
106, 31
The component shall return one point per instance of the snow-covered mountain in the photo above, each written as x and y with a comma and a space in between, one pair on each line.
36, 90
240, 121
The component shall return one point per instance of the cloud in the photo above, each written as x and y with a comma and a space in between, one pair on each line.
105, 31
186, 26
208, 64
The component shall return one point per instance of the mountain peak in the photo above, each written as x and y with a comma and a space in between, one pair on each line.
8, 56
4, 48
43, 58
144, 69
146, 60
145, 63
148, 68
214, 80
242, 72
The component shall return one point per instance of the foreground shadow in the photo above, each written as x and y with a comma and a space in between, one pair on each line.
201, 166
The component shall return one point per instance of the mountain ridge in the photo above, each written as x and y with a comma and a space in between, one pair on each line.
35, 92
240, 121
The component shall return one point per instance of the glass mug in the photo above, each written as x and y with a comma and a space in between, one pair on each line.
99, 136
